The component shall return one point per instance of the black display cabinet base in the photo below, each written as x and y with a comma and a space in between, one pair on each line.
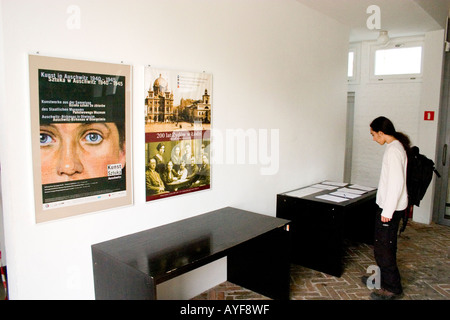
319, 227
256, 246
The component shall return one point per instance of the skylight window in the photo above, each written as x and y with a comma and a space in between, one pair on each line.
398, 61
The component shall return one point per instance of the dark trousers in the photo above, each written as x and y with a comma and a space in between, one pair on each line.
385, 251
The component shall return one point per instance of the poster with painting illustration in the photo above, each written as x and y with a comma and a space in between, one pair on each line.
177, 132
80, 117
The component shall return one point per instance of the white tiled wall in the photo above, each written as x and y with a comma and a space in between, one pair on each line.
404, 103
399, 102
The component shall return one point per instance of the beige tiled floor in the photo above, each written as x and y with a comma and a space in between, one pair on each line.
423, 257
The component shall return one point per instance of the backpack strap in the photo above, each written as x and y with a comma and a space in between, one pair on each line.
437, 172
407, 214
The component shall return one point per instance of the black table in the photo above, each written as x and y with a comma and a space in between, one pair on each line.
256, 246
320, 228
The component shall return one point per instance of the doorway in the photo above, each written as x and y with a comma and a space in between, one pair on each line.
441, 210
349, 137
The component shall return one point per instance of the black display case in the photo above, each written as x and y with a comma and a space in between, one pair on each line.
319, 228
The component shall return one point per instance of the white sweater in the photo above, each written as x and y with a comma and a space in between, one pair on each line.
392, 195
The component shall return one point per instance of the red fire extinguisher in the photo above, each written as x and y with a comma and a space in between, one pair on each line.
2, 271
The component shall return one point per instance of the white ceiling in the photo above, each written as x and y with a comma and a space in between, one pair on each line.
398, 17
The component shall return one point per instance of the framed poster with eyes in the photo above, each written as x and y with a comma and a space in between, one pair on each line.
80, 130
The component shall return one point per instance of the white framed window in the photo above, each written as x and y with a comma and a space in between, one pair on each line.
353, 64
400, 60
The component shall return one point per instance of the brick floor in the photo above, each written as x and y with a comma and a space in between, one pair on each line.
423, 257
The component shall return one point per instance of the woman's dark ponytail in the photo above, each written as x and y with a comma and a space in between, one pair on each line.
404, 140
386, 126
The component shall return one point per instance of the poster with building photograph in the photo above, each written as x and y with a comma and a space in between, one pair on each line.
80, 118
177, 132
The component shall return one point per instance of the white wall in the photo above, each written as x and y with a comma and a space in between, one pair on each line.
404, 103
429, 101
275, 65
2, 96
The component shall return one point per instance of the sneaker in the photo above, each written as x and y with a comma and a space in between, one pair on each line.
383, 294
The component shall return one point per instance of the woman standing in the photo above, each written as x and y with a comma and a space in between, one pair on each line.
392, 199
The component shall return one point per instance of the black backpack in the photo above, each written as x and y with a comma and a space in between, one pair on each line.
419, 173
